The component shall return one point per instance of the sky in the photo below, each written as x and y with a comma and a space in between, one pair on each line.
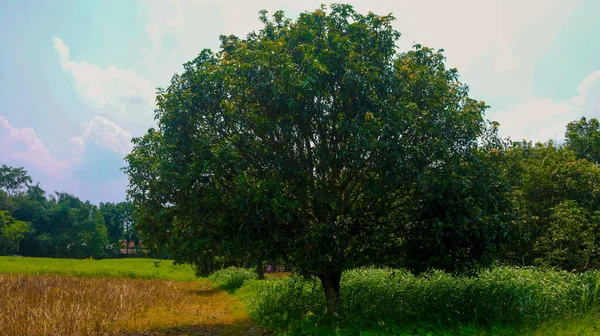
78, 78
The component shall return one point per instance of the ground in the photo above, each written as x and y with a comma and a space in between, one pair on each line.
47, 303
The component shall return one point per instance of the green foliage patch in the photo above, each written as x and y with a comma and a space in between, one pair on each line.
107, 268
232, 278
502, 300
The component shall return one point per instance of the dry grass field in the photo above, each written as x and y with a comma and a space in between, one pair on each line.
59, 305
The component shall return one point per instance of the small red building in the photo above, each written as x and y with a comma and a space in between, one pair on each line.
129, 247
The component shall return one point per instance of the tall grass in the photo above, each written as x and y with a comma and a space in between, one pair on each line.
394, 300
107, 268
56, 305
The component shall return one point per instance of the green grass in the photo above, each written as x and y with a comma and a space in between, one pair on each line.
232, 278
501, 301
586, 324
107, 268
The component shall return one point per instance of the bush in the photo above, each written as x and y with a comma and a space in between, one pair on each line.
231, 278
275, 302
570, 241
397, 301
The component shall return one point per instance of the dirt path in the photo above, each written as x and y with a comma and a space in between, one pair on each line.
203, 312
201, 331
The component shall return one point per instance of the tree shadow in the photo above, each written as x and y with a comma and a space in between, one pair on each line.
202, 330
211, 292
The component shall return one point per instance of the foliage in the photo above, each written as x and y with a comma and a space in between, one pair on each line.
13, 179
76, 229
571, 239
60, 224
11, 233
462, 213
542, 176
311, 140
132, 268
583, 137
119, 225
232, 278
395, 301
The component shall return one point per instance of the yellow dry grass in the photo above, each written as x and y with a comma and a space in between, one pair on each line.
55, 305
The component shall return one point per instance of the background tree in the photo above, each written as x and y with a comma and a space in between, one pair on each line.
309, 140
117, 217
34, 208
583, 137
542, 177
570, 241
6, 202
11, 233
13, 179
59, 224
78, 229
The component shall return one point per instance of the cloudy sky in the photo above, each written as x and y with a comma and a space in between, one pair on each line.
77, 78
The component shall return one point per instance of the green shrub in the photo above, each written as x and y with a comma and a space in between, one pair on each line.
570, 241
396, 302
276, 302
232, 278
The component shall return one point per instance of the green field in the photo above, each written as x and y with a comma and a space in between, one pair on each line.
107, 268
501, 301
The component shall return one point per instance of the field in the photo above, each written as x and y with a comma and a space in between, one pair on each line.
151, 297
113, 297
107, 268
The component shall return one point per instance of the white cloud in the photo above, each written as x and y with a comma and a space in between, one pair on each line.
589, 95
61, 48
106, 134
120, 94
540, 119
21, 146
77, 150
537, 119
493, 44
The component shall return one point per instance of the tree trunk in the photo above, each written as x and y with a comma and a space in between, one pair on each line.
206, 266
209, 265
260, 270
331, 286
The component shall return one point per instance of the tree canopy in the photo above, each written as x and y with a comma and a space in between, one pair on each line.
547, 180
34, 223
318, 141
11, 233
13, 179
583, 137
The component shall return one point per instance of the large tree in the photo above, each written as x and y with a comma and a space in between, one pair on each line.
315, 140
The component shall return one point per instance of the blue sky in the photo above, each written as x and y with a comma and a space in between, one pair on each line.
78, 78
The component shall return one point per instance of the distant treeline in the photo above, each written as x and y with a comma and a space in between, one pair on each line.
35, 223
554, 189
